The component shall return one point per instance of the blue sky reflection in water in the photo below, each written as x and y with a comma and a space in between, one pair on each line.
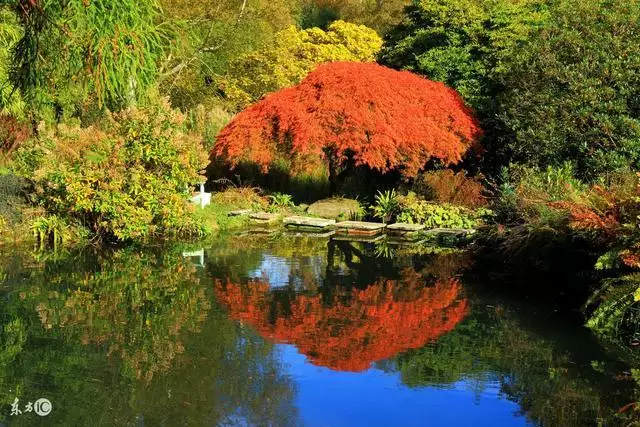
145, 337
377, 398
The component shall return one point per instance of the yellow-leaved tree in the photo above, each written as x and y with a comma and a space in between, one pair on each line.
292, 55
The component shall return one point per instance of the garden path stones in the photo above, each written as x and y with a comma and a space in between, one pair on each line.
405, 227
405, 231
360, 228
450, 231
264, 217
303, 223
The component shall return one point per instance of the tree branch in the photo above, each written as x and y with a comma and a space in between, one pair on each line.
209, 49
205, 49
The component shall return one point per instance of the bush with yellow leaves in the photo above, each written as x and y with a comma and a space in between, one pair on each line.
125, 179
292, 55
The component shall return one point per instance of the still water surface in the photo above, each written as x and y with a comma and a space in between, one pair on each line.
288, 331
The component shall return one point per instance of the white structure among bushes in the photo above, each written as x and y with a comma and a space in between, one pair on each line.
201, 198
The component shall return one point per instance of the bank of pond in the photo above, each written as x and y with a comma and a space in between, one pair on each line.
274, 329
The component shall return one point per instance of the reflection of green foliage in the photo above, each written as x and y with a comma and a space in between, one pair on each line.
531, 370
114, 336
137, 307
383, 249
238, 380
13, 340
234, 255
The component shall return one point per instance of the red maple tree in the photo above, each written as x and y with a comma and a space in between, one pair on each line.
355, 329
362, 112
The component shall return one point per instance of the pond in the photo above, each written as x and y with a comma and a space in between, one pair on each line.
287, 331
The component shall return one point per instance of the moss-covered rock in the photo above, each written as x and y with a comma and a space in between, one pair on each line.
336, 208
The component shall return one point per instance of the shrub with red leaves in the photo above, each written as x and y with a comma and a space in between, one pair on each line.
446, 186
12, 133
612, 217
361, 113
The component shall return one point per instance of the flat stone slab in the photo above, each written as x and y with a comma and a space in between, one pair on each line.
357, 238
360, 226
304, 221
264, 216
405, 227
451, 231
240, 212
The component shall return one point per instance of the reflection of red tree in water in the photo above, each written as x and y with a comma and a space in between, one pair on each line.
350, 333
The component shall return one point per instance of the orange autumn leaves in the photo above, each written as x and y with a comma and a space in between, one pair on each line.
378, 117
611, 215
352, 330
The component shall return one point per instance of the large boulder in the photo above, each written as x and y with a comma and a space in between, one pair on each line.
334, 208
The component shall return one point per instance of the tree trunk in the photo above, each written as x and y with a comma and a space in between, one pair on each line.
333, 173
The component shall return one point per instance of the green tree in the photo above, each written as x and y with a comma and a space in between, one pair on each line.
209, 37
552, 81
462, 43
292, 55
104, 51
11, 101
380, 15
572, 92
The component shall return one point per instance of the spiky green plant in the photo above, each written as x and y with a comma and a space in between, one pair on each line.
50, 231
280, 201
386, 205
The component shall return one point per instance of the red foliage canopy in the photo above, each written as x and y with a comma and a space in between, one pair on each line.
348, 334
381, 118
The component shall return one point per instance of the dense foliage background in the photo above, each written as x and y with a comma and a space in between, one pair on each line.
553, 81
520, 118
553, 85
